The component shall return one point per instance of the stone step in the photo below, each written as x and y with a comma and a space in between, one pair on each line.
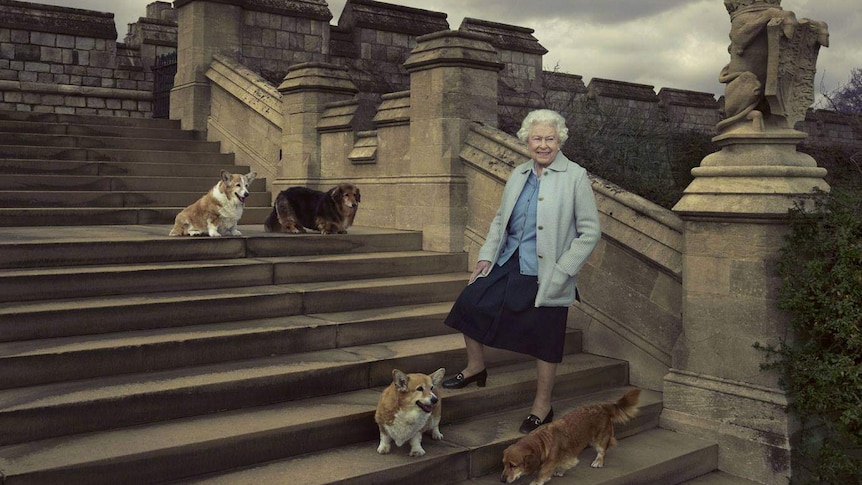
652, 457
471, 447
199, 184
92, 216
140, 169
82, 129
32, 284
29, 247
115, 154
187, 447
33, 117
111, 198
44, 361
53, 410
102, 142
100, 315
719, 478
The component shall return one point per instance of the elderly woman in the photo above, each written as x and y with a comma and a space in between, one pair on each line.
524, 282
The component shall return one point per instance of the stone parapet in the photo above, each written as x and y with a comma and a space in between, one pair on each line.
245, 116
378, 16
75, 22
607, 88
505, 37
310, 9
394, 109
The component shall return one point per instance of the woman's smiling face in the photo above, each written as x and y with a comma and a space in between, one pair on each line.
543, 143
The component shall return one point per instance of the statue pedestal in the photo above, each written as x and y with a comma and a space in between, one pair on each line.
735, 215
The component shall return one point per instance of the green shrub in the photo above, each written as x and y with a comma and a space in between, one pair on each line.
821, 364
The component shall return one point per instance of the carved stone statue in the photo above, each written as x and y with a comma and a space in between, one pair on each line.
770, 77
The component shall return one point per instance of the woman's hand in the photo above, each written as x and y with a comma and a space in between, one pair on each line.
482, 268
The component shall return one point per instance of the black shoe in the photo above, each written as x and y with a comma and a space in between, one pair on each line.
460, 381
532, 421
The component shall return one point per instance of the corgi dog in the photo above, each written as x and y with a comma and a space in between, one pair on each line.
407, 408
553, 448
218, 211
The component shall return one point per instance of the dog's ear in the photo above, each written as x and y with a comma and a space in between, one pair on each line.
437, 376
358, 198
225, 176
400, 380
336, 193
531, 462
251, 176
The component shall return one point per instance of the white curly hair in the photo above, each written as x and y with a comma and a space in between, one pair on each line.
544, 117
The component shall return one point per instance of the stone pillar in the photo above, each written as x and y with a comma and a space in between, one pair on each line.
306, 90
453, 82
735, 215
204, 28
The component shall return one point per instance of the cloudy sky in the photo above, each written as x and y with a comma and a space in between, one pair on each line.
664, 43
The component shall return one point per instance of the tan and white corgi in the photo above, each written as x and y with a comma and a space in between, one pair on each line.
218, 211
408, 408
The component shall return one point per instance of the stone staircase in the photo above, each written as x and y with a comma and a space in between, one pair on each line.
83, 170
130, 357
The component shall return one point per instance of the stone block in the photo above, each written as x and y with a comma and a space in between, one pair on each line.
96, 103
7, 50
43, 39
12, 97
27, 53
65, 41
20, 36
85, 43
52, 99
27, 76
8, 75
51, 54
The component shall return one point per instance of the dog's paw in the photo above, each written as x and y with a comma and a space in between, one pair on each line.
235, 232
436, 434
597, 464
417, 451
383, 449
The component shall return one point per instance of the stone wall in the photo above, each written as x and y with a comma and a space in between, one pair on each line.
66, 60
153, 35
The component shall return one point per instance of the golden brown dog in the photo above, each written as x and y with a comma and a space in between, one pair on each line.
329, 212
408, 408
218, 211
552, 449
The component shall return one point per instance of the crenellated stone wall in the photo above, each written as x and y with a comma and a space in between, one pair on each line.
66, 60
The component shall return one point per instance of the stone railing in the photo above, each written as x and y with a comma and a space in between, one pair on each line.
245, 116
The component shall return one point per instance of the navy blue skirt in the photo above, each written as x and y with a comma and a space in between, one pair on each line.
492, 311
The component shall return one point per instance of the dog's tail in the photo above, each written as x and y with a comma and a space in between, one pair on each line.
625, 408
271, 223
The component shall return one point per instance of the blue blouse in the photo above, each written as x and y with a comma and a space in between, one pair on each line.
521, 231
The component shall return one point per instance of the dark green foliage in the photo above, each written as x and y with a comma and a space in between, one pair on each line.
821, 365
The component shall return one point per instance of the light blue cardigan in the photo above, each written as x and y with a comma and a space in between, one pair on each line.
567, 226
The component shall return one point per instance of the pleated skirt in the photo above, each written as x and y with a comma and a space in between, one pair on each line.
481, 313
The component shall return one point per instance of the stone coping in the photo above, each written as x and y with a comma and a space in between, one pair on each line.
57, 20
74, 90
310, 9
